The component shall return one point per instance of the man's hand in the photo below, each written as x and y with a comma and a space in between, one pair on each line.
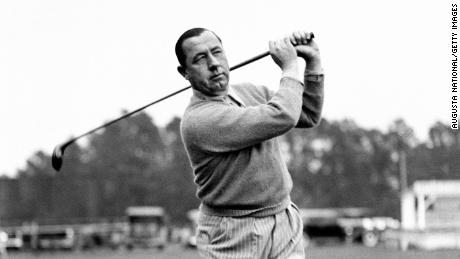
284, 55
307, 49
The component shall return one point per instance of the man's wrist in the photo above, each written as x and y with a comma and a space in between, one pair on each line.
315, 71
313, 64
292, 72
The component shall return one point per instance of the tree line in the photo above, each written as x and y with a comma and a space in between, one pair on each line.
135, 162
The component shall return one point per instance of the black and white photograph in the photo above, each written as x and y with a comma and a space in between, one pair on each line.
229, 129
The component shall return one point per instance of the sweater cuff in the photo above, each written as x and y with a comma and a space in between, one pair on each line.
293, 74
293, 78
314, 76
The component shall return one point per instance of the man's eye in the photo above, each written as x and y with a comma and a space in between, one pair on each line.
198, 59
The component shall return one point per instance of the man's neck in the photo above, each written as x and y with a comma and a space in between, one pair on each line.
206, 96
221, 94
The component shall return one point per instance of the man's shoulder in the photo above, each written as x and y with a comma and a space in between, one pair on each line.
198, 110
251, 93
248, 88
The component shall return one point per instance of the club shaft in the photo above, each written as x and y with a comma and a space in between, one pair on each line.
255, 58
250, 60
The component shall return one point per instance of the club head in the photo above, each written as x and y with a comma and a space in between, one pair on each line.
56, 158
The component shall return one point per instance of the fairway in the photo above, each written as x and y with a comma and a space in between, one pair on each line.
176, 251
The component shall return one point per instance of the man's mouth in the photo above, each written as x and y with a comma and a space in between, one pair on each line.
217, 77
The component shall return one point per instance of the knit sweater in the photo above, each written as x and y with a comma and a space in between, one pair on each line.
233, 149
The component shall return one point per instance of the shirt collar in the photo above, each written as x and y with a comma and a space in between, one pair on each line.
202, 96
231, 93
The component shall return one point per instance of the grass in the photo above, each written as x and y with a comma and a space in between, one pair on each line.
177, 251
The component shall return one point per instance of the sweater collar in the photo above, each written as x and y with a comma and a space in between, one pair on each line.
232, 94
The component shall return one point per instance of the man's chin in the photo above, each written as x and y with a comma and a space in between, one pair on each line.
220, 85
215, 88
219, 90
223, 86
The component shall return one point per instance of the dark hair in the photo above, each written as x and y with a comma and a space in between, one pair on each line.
186, 35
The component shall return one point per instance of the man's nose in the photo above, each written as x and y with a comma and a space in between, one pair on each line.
213, 62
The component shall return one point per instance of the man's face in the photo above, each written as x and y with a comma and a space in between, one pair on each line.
206, 65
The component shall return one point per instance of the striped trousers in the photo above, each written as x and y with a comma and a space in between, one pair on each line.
278, 236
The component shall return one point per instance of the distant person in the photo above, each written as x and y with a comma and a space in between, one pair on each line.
230, 134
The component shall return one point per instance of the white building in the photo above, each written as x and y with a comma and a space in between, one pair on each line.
430, 215
431, 205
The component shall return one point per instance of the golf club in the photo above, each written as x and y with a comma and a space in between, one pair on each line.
58, 152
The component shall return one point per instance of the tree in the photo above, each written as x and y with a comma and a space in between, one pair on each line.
133, 162
438, 158
339, 164
35, 181
122, 160
178, 188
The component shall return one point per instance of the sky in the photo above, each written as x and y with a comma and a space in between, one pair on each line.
69, 66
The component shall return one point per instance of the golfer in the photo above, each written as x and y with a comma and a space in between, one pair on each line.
230, 131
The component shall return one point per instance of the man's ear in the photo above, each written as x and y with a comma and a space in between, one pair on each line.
183, 72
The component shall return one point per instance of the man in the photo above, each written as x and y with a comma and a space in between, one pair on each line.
230, 136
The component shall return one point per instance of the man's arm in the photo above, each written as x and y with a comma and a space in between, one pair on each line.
313, 94
217, 127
